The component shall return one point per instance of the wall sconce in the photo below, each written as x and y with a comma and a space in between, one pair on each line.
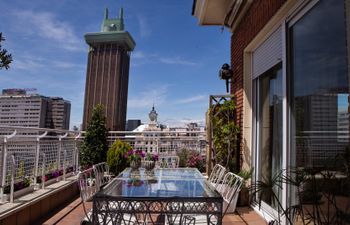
226, 73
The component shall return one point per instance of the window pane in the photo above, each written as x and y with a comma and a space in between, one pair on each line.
270, 128
319, 119
319, 85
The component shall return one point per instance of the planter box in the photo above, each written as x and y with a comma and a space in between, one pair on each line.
54, 180
19, 193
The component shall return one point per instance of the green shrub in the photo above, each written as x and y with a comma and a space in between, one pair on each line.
116, 159
183, 155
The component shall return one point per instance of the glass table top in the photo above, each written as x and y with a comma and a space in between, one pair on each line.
160, 183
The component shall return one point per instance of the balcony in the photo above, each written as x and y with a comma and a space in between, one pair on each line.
39, 168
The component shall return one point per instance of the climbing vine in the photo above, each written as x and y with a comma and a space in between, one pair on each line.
225, 134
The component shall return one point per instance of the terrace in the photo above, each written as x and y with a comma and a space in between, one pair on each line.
39, 168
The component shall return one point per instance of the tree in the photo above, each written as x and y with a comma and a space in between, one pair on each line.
95, 146
5, 58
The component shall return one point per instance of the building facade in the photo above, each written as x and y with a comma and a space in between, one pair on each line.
290, 61
107, 75
33, 110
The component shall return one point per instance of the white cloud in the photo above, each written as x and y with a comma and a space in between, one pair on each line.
141, 58
177, 61
138, 55
47, 26
145, 29
39, 64
191, 99
183, 122
152, 95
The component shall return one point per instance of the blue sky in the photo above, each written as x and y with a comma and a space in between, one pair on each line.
175, 63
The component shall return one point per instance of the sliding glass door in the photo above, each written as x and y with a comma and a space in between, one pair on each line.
269, 128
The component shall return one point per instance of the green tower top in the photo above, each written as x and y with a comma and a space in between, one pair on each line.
112, 31
113, 24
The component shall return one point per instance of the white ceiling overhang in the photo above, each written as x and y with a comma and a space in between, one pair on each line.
220, 12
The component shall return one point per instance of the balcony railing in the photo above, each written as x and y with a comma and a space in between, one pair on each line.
33, 157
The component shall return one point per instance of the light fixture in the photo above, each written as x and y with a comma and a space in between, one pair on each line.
226, 73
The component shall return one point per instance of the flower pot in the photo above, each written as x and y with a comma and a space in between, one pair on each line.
149, 164
243, 197
135, 164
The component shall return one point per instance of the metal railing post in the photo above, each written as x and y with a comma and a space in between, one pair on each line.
60, 146
13, 172
76, 139
43, 172
4, 163
64, 163
37, 154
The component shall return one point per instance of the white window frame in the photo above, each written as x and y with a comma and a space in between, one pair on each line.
289, 13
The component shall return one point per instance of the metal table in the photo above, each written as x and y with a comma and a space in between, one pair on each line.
161, 196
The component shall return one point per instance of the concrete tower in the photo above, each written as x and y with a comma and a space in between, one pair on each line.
107, 76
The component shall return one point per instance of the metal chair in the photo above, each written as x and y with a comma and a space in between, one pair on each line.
216, 175
88, 188
229, 190
102, 174
168, 162
89, 185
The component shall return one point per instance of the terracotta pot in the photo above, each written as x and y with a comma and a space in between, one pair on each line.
243, 199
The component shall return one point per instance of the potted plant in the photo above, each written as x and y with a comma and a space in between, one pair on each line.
150, 161
134, 158
243, 199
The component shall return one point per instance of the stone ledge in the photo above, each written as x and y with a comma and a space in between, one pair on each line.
29, 208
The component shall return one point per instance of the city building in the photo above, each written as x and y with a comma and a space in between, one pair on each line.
17, 108
163, 140
107, 74
58, 113
132, 124
290, 64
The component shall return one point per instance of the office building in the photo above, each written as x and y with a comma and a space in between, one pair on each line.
107, 75
17, 108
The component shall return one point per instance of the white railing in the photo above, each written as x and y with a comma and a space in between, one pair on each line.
30, 156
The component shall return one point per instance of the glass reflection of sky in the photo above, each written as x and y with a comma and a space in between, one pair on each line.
319, 52
342, 102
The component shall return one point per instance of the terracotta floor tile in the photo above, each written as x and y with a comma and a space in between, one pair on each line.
74, 213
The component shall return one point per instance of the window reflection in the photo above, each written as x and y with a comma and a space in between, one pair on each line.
320, 122
319, 119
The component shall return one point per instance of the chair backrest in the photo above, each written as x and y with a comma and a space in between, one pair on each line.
217, 174
229, 190
168, 161
87, 183
102, 173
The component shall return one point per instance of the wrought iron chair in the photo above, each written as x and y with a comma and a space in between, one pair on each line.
216, 175
102, 174
88, 188
168, 162
229, 190
89, 182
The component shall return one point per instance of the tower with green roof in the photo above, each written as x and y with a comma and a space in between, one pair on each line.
107, 76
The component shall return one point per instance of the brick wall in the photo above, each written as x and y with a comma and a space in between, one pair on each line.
260, 12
